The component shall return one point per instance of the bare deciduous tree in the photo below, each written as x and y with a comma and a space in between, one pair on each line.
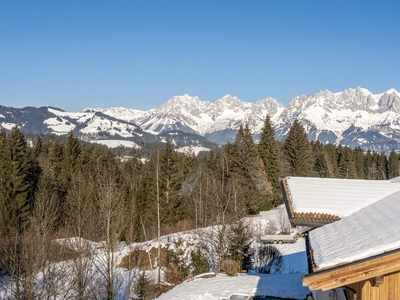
52, 283
111, 213
79, 212
283, 221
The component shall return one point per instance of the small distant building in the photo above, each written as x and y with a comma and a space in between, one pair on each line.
354, 246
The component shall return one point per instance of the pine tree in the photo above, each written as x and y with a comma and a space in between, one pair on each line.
239, 240
249, 173
70, 164
369, 165
19, 181
4, 167
346, 164
359, 157
331, 159
320, 161
321, 166
297, 151
393, 165
171, 179
269, 153
382, 166
377, 165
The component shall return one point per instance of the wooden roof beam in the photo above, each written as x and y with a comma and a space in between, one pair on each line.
353, 272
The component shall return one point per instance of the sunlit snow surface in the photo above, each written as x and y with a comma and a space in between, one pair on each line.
116, 143
370, 231
200, 116
193, 150
223, 286
8, 126
339, 197
287, 284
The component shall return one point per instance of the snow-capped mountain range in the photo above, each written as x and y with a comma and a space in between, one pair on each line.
217, 121
353, 117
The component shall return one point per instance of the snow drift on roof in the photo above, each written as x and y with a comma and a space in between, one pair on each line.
373, 230
339, 197
221, 287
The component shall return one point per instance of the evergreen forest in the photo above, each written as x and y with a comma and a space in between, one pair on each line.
53, 188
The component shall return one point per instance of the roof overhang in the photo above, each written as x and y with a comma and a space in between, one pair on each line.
353, 272
303, 219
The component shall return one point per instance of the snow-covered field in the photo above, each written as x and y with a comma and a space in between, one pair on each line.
116, 143
194, 149
286, 284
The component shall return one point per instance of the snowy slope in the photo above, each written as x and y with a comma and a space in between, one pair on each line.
286, 284
353, 117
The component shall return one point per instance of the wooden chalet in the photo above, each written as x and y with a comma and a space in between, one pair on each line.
354, 246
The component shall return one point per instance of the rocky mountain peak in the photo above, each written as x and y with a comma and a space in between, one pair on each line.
228, 101
354, 117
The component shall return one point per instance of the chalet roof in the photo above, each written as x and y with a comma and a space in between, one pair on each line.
371, 231
318, 201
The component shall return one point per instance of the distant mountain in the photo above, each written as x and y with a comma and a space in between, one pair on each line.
353, 117
89, 125
218, 121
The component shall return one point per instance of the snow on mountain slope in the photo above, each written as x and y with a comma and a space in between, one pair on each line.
62, 122
192, 115
192, 150
329, 116
116, 143
92, 125
122, 113
353, 117
99, 123
185, 113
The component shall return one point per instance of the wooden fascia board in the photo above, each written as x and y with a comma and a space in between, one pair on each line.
310, 223
353, 272
286, 198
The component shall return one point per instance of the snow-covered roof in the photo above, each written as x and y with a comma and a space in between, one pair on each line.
223, 287
334, 197
371, 231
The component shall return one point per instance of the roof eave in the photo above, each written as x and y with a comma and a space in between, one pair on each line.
310, 223
348, 273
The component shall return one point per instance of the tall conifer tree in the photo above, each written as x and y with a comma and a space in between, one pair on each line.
269, 153
393, 165
346, 163
297, 151
19, 185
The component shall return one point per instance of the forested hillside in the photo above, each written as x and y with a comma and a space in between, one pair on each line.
54, 189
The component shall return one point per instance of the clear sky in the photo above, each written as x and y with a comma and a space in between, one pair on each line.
139, 53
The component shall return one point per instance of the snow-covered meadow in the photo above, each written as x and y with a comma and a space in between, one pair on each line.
97, 263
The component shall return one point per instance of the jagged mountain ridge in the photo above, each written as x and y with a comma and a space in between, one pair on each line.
217, 121
353, 117
190, 114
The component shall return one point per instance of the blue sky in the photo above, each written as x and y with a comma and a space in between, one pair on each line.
138, 54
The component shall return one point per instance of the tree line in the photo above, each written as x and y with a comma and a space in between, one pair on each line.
53, 189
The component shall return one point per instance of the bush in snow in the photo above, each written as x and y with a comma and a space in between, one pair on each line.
199, 263
269, 260
230, 267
